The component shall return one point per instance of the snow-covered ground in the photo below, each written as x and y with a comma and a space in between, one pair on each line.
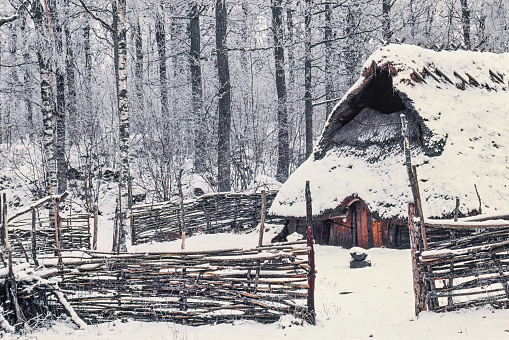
374, 302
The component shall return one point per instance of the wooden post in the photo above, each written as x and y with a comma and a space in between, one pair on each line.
2, 231
57, 232
408, 158
414, 249
58, 220
312, 274
183, 228
262, 222
11, 286
419, 208
34, 237
457, 209
96, 220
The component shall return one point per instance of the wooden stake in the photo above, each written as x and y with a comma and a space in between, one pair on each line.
420, 303
457, 209
183, 228
34, 237
419, 208
262, 222
96, 220
2, 219
312, 274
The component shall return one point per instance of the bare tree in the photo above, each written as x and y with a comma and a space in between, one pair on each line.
224, 103
197, 87
282, 113
308, 97
465, 21
386, 20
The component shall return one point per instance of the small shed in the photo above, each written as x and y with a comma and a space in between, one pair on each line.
457, 106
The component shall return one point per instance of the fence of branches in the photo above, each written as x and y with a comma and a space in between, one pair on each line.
43, 227
208, 213
193, 288
460, 264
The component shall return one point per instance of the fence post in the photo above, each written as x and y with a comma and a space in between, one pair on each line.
34, 237
2, 231
416, 273
96, 220
311, 275
262, 222
183, 228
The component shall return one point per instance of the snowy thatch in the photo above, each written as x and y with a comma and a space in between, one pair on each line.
457, 105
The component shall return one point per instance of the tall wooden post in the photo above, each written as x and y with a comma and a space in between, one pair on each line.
420, 304
183, 228
419, 209
2, 230
262, 222
96, 220
312, 274
34, 237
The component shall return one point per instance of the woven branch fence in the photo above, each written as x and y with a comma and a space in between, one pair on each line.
193, 288
208, 213
466, 264
32, 230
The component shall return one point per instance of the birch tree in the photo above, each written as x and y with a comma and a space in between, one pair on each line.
118, 30
47, 108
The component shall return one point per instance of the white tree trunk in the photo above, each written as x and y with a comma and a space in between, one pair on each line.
123, 113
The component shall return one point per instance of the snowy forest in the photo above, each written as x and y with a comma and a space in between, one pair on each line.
226, 90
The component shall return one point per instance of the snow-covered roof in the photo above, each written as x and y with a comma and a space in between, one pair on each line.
458, 103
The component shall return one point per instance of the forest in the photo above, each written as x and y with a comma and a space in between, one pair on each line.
226, 90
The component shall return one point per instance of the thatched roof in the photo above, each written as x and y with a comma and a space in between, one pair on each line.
457, 103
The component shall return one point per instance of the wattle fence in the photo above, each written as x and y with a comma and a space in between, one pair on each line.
193, 288
465, 264
208, 213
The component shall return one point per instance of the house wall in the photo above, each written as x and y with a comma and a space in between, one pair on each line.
356, 227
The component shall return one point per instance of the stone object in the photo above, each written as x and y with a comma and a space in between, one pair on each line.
359, 256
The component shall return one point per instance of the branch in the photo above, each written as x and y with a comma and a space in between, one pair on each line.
8, 19
101, 21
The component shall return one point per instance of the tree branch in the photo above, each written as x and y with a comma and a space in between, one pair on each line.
101, 21
8, 19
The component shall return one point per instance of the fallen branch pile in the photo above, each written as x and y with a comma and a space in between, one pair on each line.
30, 295
194, 288
208, 213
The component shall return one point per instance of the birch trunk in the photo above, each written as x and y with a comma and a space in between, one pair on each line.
123, 113
224, 103
282, 113
47, 108
60, 98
